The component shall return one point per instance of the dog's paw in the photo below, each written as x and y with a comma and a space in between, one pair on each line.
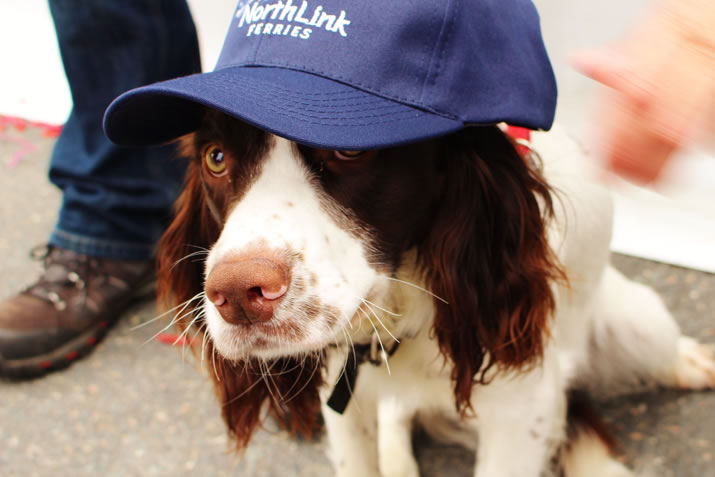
696, 365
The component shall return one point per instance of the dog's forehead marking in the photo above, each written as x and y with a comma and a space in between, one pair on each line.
285, 187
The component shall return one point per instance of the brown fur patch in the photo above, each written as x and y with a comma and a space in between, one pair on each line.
312, 307
582, 417
244, 148
384, 198
332, 315
488, 256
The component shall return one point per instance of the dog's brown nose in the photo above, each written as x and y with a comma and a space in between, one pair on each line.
247, 290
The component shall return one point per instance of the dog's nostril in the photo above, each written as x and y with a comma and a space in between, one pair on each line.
254, 293
219, 299
273, 295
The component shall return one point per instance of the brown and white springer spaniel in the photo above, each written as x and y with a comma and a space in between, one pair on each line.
497, 289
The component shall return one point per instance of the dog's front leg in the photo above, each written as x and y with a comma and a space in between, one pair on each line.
352, 438
520, 419
352, 435
395, 438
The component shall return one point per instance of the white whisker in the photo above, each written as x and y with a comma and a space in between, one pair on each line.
351, 344
200, 313
317, 366
384, 354
248, 389
381, 308
184, 304
177, 317
415, 286
381, 323
188, 342
302, 368
203, 343
213, 360
193, 254
196, 246
265, 375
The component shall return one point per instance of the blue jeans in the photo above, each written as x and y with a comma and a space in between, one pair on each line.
116, 201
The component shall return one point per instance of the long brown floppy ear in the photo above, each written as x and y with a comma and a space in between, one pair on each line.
286, 388
192, 231
487, 255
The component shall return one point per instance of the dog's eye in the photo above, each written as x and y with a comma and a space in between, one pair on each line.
348, 155
213, 156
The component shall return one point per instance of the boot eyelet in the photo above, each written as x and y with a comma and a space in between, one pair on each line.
75, 278
57, 301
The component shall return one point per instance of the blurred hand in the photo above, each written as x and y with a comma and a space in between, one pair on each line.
662, 84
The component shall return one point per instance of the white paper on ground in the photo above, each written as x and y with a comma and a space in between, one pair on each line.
676, 224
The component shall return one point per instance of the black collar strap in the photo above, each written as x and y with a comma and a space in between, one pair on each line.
343, 390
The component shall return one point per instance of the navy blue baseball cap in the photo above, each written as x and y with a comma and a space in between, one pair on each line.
346, 74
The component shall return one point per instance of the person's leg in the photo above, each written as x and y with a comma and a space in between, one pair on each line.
115, 200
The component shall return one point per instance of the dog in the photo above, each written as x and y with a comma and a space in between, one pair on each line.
450, 280
357, 238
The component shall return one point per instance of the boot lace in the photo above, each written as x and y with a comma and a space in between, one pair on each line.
63, 271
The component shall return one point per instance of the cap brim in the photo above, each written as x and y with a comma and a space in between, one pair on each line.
300, 106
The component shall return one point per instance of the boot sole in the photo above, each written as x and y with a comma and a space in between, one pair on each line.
73, 350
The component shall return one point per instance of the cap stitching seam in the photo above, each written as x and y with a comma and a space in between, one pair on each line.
335, 106
336, 93
448, 34
365, 88
435, 57
291, 108
288, 93
281, 108
313, 120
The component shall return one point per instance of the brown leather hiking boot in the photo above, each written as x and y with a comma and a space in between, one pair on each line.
63, 315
